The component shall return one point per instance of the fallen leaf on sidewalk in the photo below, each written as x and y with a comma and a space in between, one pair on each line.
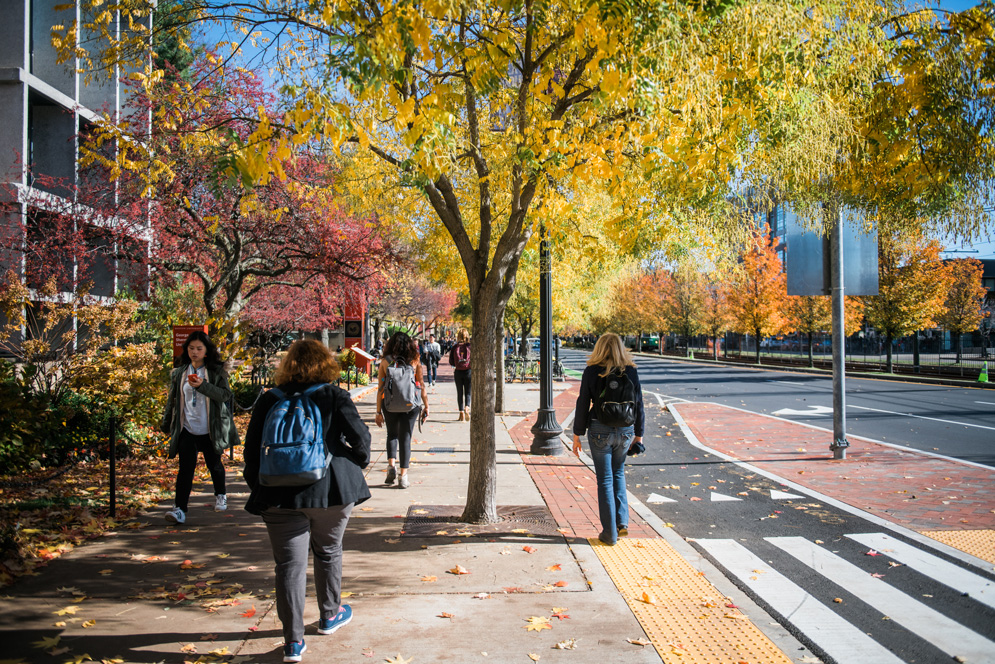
569, 644
537, 624
877, 576
397, 660
224, 555
88, 624
512, 589
639, 642
646, 598
529, 549
559, 614
445, 615
872, 552
838, 600
219, 652
47, 642
554, 568
249, 613
892, 563
561, 584
347, 593
482, 596
69, 610
534, 657
430, 579
105, 572
458, 570
190, 647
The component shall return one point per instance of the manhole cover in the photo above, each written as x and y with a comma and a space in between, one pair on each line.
441, 450
444, 521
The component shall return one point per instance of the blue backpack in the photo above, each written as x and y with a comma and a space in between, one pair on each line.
293, 448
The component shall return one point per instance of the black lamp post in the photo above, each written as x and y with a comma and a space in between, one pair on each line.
546, 431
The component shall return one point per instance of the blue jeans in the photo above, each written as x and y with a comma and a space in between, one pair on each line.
432, 372
608, 447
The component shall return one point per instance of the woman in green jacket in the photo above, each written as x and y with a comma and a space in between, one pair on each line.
198, 420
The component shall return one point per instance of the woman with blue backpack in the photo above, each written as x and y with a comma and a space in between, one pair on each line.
401, 400
610, 411
305, 451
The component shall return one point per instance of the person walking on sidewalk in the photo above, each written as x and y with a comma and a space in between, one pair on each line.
433, 355
459, 358
314, 516
400, 358
610, 411
198, 420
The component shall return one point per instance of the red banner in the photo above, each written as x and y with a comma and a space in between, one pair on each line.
180, 334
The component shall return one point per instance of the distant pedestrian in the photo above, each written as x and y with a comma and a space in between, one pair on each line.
401, 365
610, 411
433, 355
459, 358
314, 516
198, 419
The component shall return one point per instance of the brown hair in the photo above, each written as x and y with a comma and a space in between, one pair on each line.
610, 353
401, 347
307, 361
463, 336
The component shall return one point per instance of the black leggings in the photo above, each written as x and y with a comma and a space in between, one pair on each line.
189, 445
400, 426
462, 378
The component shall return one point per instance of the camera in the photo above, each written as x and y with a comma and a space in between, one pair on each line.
636, 448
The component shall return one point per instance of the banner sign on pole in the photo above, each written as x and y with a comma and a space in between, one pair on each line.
808, 259
180, 334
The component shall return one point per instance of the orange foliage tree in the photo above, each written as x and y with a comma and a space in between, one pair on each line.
964, 304
811, 314
760, 288
683, 294
912, 284
716, 317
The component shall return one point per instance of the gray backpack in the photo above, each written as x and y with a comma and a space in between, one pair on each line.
401, 393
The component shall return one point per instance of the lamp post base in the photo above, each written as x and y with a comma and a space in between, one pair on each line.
546, 434
839, 448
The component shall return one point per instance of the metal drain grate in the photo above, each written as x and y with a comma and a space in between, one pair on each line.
441, 450
444, 521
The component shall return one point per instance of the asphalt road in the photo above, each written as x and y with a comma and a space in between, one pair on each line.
954, 421
849, 589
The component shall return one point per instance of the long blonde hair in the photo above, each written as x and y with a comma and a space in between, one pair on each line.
611, 353
463, 336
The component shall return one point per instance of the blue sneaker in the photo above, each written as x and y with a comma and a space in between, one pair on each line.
342, 618
292, 651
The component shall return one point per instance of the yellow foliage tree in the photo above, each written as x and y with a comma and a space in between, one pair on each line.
812, 314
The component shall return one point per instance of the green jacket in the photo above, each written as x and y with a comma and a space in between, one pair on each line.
221, 425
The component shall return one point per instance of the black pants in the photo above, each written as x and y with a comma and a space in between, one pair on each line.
189, 445
400, 426
462, 378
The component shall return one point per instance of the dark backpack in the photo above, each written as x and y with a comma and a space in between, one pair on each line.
616, 405
461, 355
293, 449
401, 393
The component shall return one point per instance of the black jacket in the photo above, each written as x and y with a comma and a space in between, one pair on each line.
348, 439
591, 385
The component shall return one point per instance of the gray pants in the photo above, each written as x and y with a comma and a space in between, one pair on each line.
290, 534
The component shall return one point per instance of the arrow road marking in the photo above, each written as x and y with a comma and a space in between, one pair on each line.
813, 411
722, 498
782, 495
656, 499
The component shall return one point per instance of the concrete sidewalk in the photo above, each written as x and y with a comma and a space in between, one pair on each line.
424, 587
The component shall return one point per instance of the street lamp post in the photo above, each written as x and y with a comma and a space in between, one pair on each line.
546, 431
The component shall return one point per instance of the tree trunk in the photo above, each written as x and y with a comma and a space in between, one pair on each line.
481, 492
960, 347
659, 342
715, 347
757, 336
811, 359
889, 366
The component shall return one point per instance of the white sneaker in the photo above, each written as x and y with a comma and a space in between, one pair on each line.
176, 515
220, 502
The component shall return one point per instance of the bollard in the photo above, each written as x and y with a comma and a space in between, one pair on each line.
113, 463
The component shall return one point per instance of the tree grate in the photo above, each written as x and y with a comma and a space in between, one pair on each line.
444, 521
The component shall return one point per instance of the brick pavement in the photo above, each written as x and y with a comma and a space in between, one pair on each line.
567, 485
907, 487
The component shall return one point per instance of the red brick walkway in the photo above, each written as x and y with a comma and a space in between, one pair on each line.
567, 485
915, 490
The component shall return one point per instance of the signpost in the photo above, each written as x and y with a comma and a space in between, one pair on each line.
180, 334
821, 265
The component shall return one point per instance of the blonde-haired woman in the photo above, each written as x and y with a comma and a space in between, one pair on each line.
608, 370
315, 516
459, 358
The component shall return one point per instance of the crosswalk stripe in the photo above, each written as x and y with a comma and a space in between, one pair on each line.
975, 586
841, 640
930, 625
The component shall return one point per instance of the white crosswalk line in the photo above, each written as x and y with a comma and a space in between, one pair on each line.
841, 640
930, 625
975, 586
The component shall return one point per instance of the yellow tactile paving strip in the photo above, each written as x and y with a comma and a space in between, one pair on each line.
978, 543
686, 618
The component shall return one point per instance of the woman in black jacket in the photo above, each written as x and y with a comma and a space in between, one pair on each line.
313, 516
609, 442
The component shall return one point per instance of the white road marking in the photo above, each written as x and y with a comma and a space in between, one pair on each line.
722, 498
656, 499
787, 382
813, 411
987, 403
965, 582
841, 640
948, 635
782, 495
923, 417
